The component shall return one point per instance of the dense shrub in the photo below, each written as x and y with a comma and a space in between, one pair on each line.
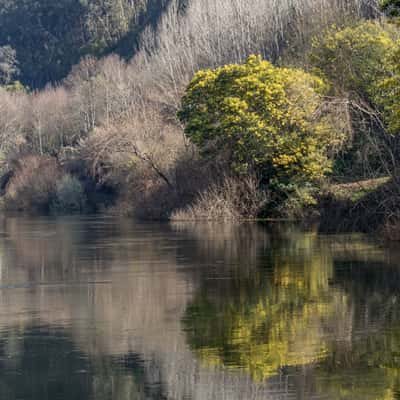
354, 59
391, 7
391, 86
69, 195
358, 63
390, 94
259, 118
50, 36
33, 185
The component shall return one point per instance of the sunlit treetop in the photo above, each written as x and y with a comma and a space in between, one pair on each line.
354, 59
258, 117
390, 95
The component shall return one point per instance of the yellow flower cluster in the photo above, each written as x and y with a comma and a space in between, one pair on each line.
265, 117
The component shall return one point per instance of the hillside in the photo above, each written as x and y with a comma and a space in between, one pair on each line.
49, 37
212, 109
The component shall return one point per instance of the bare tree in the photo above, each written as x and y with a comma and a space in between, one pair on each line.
8, 65
13, 123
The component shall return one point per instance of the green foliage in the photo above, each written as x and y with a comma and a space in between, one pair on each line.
389, 95
391, 7
354, 59
300, 200
359, 61
8, 65
15, 87
362, 62
69, 195
45, 35
49, 36
269, 319
258, 117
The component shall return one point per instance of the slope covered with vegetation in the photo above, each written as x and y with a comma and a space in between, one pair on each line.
49, 37
170, 109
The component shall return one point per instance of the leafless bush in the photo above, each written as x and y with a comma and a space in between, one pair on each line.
233, 199
142, 144
13, 122
104, 91
54, 121
33, 184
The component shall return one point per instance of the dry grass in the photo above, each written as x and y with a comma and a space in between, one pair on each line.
231, 200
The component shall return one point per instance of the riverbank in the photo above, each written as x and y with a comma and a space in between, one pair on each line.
369, 206
242, 138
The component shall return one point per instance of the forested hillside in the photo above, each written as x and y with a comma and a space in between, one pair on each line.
201, 108
51, 36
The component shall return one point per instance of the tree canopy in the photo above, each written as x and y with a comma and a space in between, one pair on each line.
354, 59
8, 65
391, 7
262, 118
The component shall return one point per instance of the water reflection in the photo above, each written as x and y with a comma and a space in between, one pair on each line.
280, 315
105, 308
326, 304
43, 363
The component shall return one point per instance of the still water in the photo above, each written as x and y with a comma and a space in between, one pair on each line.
101, 308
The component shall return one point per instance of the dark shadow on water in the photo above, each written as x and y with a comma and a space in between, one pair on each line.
43, 363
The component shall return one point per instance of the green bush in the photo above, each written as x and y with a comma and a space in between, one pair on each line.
391, 7
69, 196
354, 59
260, 118
359, 62
389, 95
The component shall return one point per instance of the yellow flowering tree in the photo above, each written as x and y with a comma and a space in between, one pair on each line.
258, 117
272, 319
390, 95
354, 59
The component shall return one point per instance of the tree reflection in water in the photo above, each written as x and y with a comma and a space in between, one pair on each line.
103, 308
329, 304
278, 316
50, 367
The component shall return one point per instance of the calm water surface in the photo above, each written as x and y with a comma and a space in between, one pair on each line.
101, 308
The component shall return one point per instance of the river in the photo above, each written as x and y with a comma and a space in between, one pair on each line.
105, 308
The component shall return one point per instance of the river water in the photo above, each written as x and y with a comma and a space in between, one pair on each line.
103, 308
